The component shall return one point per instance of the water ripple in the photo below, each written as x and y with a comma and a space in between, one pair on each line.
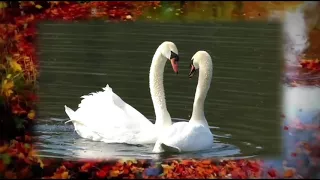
56, 139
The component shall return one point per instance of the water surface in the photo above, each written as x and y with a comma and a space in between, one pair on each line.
242, 106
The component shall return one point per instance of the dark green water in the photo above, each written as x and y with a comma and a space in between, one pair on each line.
243, 104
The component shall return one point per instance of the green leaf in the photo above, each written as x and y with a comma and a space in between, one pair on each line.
6, 159
27, 146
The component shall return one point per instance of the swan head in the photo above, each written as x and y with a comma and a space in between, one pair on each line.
170, 51
196, 60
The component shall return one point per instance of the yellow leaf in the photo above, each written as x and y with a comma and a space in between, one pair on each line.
7, 85
114, 173
21, 156
31, 114
65, 175
38, 6
3, 148
15, 66
41, 163
3, 5
8, 93
9, 76
165, 166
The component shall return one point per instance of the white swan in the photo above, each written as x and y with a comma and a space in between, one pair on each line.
194, 135
104, 116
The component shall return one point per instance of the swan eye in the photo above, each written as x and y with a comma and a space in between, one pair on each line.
174, 56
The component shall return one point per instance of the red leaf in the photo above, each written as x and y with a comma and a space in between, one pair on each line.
272, 173
285, 128
101, 174
68, 165
86, 167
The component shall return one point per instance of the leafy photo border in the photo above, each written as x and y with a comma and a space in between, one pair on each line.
19, 69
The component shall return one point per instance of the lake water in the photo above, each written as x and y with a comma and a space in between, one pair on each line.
242, 106
57, 139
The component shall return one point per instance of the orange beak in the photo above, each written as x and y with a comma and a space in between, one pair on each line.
192, 71
175, 65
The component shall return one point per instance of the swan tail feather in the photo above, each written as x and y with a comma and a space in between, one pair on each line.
74, 121
167, 148
78, 122
107, 88
69, 111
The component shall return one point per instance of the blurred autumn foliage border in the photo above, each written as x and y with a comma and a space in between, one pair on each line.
19, 72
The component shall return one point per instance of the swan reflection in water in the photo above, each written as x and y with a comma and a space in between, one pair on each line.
94, 150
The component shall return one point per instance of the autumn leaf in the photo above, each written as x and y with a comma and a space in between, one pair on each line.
38, 6
272, 173
61, 173
86, 167
187, 162
3, 148
114, 173
15, 66
3, 5
65, 175
288, 173
16, 109
68, 164
7, 88
101, 174
167, 169
31, 115
41, 163
21, 155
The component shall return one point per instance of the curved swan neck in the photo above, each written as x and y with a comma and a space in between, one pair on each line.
204, 81
157, 90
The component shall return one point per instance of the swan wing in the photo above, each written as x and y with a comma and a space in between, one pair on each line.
108, 98
104, 116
